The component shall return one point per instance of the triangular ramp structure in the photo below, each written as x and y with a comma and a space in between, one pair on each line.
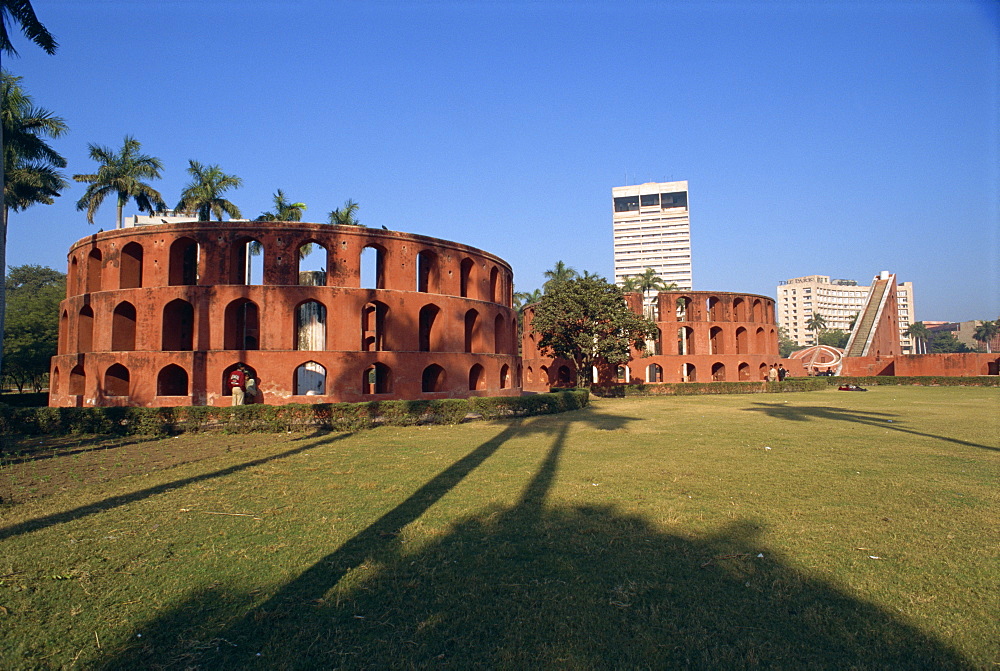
876, 332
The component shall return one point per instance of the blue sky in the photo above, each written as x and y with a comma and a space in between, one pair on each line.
833, 138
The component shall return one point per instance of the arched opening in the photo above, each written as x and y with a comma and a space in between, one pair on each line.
466, 279
494, 284
116, 381
372, 267
242, 325
477, 378
689, 373
373, 317
184, 257
739, 310
63, 332
499, 335
718, 372
761, 341
757, 311
246, 261
227, 390
427, 342
178, 327
85, 330
427, 272
130, 266
123, 328
531, 375
714, 309
715, 341
74, 275
772, 342
54, 381
683, 305
685, 340
312, 260
564, 376
77, 381
654, 373
742, 341
94, 268
621, 374
172, 381
744, 371
517, 376
432, 379
504, 376
377, 379
310, 326
762, 371
310, 380
471, 331
543, 375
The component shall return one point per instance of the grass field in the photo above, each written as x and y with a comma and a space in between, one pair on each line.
813, 530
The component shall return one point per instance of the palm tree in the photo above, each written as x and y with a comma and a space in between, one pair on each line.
121, 172
28, 171
650, 281
630, 284
344, 216
523, 299
283, 209
986, 332
204, 194
920, 334
560, 273
816, 324
21, 13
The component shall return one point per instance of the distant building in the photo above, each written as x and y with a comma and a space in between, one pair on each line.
964, 332
838, 302
164, 217
652, 229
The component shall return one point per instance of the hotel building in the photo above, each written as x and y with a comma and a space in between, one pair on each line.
837, 301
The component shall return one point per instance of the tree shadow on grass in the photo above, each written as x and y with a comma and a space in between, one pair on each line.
881, 419
537, 586
123, 499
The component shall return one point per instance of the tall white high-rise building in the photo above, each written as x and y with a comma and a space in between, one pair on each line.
652, 230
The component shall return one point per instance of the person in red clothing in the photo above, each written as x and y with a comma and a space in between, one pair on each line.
238, 382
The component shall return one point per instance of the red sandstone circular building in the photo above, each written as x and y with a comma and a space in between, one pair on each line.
160, 315
703, 336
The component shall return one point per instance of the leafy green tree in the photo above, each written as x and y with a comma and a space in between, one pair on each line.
345, 216
32, 324
834, 338
920, 335
945, 342
785, 344
121, 173
204, 194
588, 321
816, 324
20, 12
284, 209
986, 332
30, 166
559, 273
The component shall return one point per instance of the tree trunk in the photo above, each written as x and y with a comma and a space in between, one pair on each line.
3, 271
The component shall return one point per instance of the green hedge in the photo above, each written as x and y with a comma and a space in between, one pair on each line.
924, 380
277, 418
699, 388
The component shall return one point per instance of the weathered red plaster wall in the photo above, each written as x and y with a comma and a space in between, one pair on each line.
955, 365
734, 334
145, 336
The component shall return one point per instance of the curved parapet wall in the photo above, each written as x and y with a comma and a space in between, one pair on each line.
703, 336
159, 316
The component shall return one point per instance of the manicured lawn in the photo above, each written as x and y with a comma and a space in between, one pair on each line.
638, 533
